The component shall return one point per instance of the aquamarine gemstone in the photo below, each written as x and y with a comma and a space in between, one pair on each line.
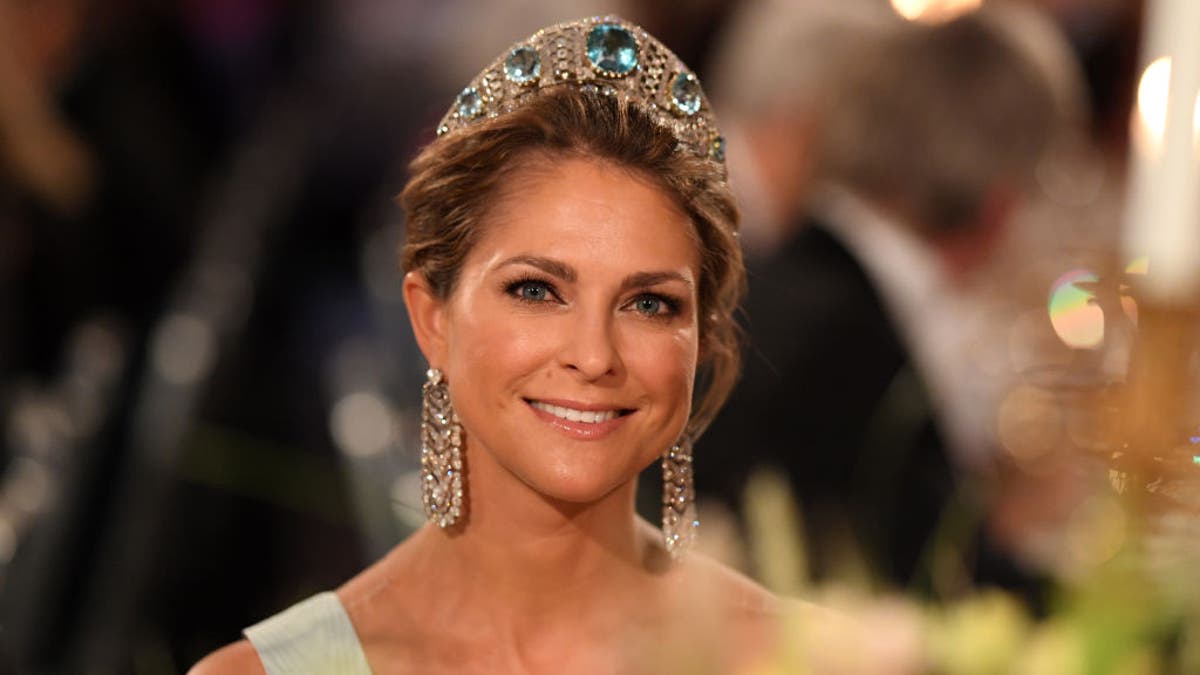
470, 103
716, 148
612, 49
523, 65
685, 94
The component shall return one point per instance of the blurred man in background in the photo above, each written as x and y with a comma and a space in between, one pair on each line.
857, 376
775, 65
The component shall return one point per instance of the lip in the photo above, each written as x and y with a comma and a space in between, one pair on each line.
588, 431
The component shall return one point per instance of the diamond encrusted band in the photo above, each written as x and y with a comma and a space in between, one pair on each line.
606, 54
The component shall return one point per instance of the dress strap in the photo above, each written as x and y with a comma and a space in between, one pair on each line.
312, 637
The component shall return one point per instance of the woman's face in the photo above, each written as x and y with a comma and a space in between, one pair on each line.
570, 341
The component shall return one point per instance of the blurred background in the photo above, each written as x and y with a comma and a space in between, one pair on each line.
209, 394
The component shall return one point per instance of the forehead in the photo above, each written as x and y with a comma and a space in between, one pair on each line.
590, 213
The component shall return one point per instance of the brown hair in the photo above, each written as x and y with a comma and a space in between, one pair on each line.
458, 176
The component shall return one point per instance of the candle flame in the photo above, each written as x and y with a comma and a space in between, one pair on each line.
1151, 119
934, 11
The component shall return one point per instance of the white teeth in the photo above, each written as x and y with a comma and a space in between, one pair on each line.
585, 416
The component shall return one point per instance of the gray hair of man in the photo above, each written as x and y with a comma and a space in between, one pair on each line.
777, 53
771, 67
934, 121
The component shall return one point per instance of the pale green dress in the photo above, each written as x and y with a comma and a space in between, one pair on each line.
313, 637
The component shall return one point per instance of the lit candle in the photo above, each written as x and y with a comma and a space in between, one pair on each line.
1163, 217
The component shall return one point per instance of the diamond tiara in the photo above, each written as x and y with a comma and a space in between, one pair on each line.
604, 54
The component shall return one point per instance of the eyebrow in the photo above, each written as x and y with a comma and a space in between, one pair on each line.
550, 266
563, 271
641, 279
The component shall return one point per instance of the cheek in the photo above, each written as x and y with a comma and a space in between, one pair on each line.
490, 347
665, 364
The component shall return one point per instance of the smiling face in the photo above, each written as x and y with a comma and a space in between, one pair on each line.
570, 340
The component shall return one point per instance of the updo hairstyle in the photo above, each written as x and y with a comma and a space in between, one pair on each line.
459, 176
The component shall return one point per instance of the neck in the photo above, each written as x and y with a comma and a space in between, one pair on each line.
523, 559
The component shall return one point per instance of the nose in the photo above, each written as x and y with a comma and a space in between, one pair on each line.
590, 348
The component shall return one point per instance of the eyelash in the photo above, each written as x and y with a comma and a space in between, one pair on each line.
514, 288
670, 304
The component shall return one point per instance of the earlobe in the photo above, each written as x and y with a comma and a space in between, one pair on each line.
427, 314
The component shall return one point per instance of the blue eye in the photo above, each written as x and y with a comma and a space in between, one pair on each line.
653, 305
533, 291
648, 305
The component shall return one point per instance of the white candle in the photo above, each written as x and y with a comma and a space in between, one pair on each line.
1163, 217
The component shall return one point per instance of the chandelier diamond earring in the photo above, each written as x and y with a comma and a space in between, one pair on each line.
441, 453
679, 520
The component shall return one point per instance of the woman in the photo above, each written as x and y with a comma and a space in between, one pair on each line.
572, 269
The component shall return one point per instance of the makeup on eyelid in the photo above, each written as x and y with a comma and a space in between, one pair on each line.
670, 302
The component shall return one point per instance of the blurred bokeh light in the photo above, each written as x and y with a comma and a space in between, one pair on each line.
1151, 118
934, 11
1078, 320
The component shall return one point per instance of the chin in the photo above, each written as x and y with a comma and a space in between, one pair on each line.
577, 487
562, 470
575, 492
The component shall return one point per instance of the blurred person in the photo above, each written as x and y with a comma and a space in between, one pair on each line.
47, 174
771, 118
571, 265
859, 383
40, 152
109, 129
102, 155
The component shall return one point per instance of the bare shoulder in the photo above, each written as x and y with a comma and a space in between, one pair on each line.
741, 594
238, 658
741, 619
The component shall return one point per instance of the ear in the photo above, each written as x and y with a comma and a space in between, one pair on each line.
427, 314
